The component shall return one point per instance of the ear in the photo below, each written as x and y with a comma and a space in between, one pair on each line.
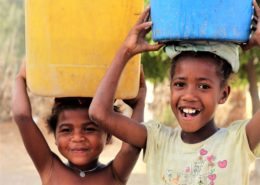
224, 94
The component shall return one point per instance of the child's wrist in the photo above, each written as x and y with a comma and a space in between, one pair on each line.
126, 52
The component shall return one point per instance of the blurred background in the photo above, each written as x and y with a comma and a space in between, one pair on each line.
17, 168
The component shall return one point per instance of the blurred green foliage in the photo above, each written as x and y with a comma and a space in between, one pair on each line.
156, 64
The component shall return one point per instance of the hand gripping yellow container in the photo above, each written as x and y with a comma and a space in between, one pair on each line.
71, 43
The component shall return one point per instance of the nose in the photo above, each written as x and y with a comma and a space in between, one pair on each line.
190, 94
78, 137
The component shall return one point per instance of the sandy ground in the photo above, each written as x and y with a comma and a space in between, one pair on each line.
16, 167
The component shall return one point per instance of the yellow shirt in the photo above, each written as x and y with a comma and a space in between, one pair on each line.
222, 159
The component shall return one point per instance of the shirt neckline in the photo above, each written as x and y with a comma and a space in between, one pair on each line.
187, 147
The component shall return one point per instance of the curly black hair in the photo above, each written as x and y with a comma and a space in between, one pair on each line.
66, 103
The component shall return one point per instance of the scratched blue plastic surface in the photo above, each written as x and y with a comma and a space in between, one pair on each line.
225, 20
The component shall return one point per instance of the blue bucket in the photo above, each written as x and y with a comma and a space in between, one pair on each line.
219, 20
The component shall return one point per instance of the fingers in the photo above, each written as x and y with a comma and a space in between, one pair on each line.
22, 71
257, 12
144, 16
154, 47
144, 26
257, 8
255, 27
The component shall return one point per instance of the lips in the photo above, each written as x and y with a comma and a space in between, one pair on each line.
79, 150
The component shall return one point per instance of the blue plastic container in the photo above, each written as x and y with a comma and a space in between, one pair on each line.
225, 20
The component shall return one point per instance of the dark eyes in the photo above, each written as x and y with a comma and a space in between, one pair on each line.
203, 86
65, 130
90, 129
179, 84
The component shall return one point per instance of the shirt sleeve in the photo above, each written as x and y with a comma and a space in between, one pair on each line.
238, 129
157, 137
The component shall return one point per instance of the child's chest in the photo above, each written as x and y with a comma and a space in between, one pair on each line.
209, 164
103, 177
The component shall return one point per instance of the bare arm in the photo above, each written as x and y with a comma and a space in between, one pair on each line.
253, 130
123, 165
253, 127
33, 139
255, 39
101, 109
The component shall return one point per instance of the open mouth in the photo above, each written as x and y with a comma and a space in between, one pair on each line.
187, 112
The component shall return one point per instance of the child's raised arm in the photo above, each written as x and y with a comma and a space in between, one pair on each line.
253, 131
101, 109
122, 165
253, 127
255, 39
32, 137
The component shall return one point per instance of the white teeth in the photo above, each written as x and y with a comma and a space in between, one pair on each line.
189, 111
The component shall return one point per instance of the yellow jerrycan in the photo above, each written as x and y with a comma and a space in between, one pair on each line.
71, 43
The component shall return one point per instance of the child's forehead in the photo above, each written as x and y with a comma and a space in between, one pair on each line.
197, 64
197, 69
74, 114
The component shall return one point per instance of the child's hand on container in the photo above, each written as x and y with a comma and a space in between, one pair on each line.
135, 42
255, 39
22, 70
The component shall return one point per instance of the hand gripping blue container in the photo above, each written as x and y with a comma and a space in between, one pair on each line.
221, 20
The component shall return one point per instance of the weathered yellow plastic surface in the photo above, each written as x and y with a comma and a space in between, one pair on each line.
71, 43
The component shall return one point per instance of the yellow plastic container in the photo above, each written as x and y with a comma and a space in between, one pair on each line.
71, 43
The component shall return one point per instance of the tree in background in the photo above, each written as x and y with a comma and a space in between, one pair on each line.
156, 64
11, 49
250, 67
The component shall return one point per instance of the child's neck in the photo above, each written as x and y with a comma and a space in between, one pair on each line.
89, 166
202, 134
82, 171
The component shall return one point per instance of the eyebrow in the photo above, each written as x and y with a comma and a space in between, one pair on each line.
198, 79
64, 125
205, 79
91, 123
179, 78
85, 123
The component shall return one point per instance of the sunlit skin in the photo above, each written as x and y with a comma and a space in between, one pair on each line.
78, 139
195, 94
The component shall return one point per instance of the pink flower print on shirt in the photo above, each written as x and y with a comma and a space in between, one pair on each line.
222, 164
210, 158
188, 170
203, 152
212, 177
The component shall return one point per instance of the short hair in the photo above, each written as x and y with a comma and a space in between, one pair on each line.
66, 103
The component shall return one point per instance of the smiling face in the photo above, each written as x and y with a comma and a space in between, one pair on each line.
196, 91
79, 139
